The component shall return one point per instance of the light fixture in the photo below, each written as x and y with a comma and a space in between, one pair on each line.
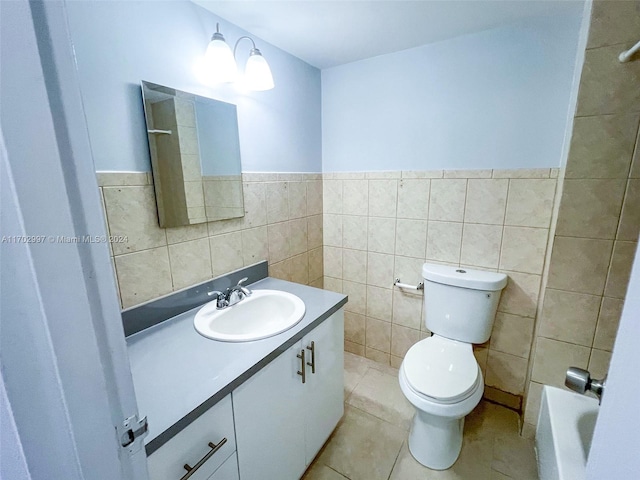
219, 60
257, 74
221, 64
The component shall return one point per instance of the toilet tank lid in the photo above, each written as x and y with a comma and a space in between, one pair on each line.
464, 277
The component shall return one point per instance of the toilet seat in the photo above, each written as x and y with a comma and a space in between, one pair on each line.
442, 370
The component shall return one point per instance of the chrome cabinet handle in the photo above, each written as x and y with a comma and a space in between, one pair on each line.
214, 448
302, 372
312, 363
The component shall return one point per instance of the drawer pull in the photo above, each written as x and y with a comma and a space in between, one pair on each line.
214, 448
312, 363
302, 372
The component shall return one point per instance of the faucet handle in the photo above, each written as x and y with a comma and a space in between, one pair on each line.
579, 380
244, 290
221, 298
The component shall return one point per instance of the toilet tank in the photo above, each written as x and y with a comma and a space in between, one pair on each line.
460, 303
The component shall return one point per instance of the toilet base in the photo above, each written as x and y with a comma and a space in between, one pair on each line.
435, 441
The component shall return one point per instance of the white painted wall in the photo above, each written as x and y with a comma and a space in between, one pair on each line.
120, 43
495, 99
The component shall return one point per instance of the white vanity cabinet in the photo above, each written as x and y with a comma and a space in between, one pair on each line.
281, 422
199, 446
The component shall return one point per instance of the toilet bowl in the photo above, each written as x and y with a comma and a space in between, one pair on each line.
440, 375
442, 398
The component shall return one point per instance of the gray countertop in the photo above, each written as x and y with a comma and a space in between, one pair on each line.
178, 374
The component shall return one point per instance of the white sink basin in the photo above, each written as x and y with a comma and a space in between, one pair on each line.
263, 314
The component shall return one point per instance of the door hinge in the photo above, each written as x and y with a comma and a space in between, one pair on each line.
132, 429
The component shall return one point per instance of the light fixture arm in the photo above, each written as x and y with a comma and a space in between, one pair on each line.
235, 48
217, 35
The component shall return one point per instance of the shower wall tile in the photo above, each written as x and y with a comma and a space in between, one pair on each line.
190, 262
355, 232
506, 372
143, 275
590, 208
613, 23
569, 316
255, 245
411, 237
444, 241
354, 265
226, 253
588, 271
297, 199
293, 245
620, 269
552, 358
523, 249
131, 212
486, 201
457, 218
602, 145
629, 226
184, 234
608, 320
407, 310
408, 269
579, 264
402, 338
382, 235
383, 198
356, 197
520, 296
354, 328
413, 196
599, 363
530, 202
468, 173
481, 245
512, 334
332, 230
608, 86
447, 200
522, 173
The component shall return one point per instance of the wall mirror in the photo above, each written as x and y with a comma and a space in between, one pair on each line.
195, 156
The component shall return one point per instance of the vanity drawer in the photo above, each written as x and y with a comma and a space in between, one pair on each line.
196, 442
228, 470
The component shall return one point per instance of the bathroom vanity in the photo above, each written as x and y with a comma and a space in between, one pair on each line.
241, 410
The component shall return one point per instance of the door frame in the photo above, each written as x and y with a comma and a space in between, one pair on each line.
63, 354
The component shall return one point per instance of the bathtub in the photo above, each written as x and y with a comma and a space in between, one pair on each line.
563, 435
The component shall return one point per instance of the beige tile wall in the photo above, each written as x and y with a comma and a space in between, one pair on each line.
282, 224
599, 213
384, 225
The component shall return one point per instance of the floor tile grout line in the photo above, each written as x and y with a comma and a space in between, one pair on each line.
395, 462
376, 417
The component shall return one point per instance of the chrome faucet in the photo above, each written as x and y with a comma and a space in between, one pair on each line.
231, 295
221, 299
237, 293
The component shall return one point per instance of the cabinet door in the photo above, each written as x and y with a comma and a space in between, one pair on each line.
324, 392
269, 421
192, 444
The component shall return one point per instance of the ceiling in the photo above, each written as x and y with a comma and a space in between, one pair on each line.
335, 32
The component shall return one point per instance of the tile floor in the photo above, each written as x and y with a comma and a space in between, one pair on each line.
370, 442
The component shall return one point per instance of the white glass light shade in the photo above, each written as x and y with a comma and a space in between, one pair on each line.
220, 64
257, 74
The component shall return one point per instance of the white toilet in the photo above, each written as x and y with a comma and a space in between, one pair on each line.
440, 375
